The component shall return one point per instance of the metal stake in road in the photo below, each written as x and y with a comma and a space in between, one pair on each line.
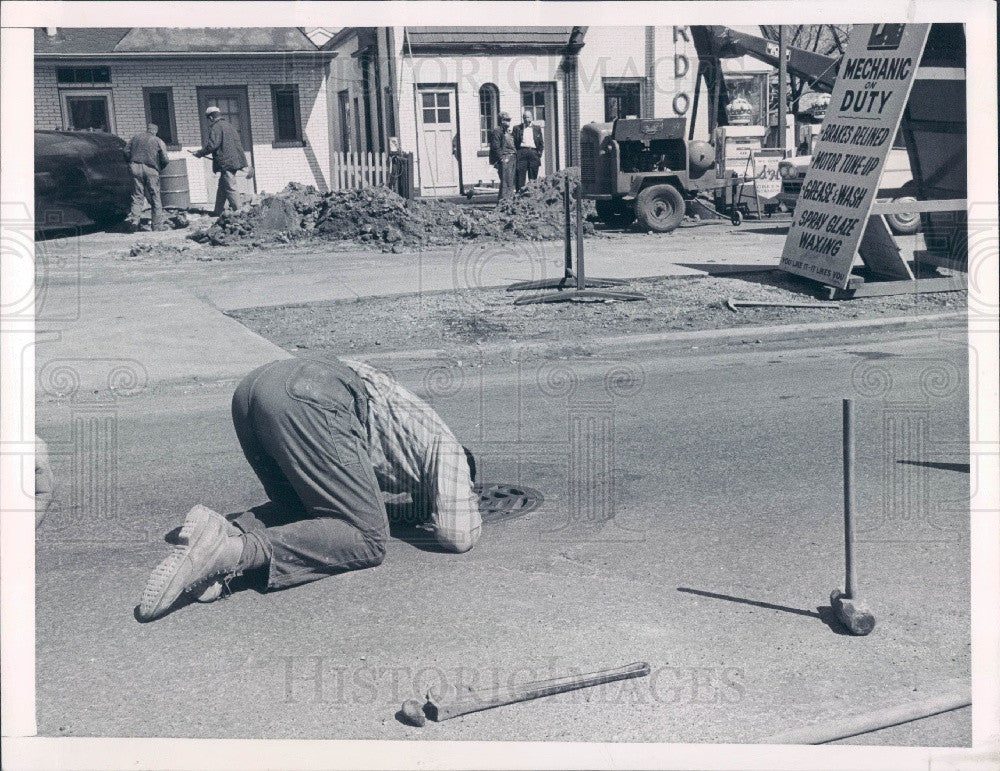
582, 292
850, 609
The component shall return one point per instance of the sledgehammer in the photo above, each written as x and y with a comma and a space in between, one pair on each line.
850, 609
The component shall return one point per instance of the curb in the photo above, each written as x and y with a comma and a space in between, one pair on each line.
621, 342
662, 339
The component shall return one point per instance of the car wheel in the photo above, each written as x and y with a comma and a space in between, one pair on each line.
660, 208
615, 214
904, 224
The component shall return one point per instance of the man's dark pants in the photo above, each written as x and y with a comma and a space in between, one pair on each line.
528, 161
226, 192
301, 424
146, 187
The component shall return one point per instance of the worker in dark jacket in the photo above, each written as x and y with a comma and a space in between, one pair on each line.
227, 158
529, 143
502, 155
147, 157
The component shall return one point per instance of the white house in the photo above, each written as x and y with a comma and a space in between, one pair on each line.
437, 91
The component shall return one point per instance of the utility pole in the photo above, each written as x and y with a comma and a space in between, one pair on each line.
782, 80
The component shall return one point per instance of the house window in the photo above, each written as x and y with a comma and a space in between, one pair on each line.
87, 111
83, 75
622, 99
533, 98
287, 118
160, 110
489, 107
436, 107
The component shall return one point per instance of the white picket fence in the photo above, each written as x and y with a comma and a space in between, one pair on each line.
353, 170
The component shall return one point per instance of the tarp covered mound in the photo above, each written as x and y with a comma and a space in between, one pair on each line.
380, 217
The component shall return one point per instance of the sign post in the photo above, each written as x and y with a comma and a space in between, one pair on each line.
832, 213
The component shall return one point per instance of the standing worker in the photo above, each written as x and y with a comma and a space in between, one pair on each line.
147, 157
502, 155
227, 158
325, 438
529, 143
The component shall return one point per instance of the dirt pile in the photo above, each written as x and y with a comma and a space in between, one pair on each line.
381, 218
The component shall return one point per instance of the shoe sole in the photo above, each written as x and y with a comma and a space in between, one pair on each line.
167, 581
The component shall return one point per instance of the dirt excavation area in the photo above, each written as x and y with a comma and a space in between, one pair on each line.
457, 319
381, 219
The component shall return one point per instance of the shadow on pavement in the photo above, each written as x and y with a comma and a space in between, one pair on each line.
964, 468
824, 613
57, 234
773, 230
728, 269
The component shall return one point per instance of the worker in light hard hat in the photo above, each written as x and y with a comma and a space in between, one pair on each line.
226, 149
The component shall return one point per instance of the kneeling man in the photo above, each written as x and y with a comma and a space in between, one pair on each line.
324, 437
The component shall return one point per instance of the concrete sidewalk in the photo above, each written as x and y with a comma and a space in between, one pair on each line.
353, 275
160, 318
119, 340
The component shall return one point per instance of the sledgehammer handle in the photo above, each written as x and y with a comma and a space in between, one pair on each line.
442, 706
851, 579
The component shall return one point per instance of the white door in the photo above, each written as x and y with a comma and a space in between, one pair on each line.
438, 147
540, 98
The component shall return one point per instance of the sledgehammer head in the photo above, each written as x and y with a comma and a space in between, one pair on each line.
853, 613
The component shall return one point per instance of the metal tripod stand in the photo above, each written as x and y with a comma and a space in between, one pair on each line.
587, 289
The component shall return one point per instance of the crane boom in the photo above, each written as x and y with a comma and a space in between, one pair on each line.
726, 43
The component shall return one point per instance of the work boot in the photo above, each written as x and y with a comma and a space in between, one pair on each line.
211, 589
206, 550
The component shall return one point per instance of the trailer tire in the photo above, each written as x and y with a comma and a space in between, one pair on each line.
615, 213
904, 224
660, 208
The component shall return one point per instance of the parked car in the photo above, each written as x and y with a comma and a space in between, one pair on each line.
81, 178
897, 185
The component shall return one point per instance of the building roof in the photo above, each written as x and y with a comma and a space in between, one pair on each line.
130, 41
487, 39
83, 40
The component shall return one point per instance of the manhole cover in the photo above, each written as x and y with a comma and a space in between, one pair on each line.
499, 501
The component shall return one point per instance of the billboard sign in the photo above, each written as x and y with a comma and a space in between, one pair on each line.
868, 100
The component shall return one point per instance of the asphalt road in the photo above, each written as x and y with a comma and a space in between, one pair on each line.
692, 519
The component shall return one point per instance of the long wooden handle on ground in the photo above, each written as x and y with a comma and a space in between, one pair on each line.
832, 730
449, 703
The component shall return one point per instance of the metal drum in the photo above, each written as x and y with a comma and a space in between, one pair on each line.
174, 190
